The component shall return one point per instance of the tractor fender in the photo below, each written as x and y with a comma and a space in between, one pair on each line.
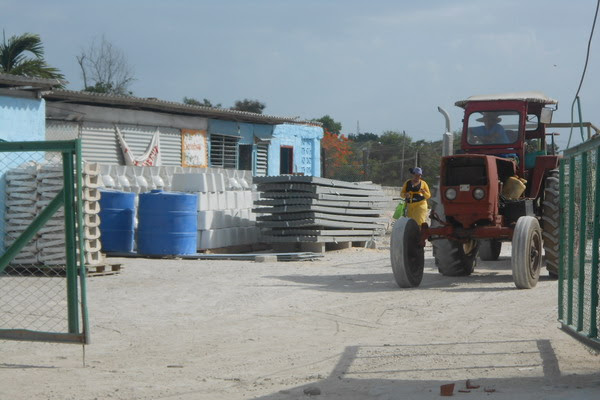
543, 164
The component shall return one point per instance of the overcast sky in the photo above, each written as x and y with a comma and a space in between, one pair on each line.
384, 64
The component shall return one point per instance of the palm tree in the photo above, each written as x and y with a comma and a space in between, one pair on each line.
14, 60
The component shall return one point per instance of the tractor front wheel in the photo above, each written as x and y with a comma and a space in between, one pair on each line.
407, 256
526, 257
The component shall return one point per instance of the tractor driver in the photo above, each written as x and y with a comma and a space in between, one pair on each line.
491, 132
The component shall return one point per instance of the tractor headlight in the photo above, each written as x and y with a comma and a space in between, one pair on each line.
478, 193
451, 193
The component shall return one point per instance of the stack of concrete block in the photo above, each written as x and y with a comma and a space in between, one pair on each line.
21, 198
224, 198
51, 243
91, 209
225, 216
129, 178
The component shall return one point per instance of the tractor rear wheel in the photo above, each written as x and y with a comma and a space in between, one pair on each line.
407, 256
454, 258
489, 249
526, 257
551, 221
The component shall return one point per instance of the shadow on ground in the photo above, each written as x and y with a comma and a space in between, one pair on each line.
392, 365
490, 276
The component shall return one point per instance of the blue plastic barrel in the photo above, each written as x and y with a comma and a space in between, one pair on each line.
167, 223
117, 221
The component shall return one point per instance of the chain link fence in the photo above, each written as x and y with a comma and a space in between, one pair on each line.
42, 268
579, 241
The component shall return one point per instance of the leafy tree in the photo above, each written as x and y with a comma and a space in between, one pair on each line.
330, 125
364, 137
338, 160
14, 59
104, 69
100, 87
428, 156
204, 103
253, 106
395, 138
383, 162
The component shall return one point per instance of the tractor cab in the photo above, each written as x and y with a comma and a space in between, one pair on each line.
510, 126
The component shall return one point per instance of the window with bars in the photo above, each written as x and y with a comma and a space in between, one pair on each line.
223, 151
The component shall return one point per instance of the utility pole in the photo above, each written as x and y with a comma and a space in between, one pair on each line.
402, 164
417, 155
366, 160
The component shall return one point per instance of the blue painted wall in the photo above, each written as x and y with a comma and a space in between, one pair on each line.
306, 141
21, 119
245, 130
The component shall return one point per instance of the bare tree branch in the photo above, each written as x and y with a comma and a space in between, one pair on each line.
104, 68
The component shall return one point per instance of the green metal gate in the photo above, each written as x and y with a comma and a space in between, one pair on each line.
42, 264
579, 241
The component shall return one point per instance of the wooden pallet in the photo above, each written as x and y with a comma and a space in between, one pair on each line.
319, 246
103, 269
61, 270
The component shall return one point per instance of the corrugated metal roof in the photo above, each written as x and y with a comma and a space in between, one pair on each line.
153, 104
26, 82
532, 97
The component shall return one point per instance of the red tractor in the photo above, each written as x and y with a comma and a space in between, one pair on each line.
503, 186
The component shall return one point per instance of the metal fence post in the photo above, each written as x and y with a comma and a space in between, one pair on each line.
582, 240
71, 243
561, 245
593, 333
571, 234
81, 244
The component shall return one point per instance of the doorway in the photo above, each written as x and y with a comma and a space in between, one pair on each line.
245, 157
286, 160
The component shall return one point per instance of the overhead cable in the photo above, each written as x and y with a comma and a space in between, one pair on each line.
587, 57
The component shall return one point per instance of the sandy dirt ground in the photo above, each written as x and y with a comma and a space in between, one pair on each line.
172, 329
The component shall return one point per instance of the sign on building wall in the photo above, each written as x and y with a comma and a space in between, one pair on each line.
194, 148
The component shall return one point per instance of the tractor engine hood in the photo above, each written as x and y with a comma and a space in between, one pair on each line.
470, 185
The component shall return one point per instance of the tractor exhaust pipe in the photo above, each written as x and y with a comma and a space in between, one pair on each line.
448, 139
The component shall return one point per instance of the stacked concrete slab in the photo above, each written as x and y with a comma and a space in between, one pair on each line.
296, 209
51, 242
30, 188
21, 209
